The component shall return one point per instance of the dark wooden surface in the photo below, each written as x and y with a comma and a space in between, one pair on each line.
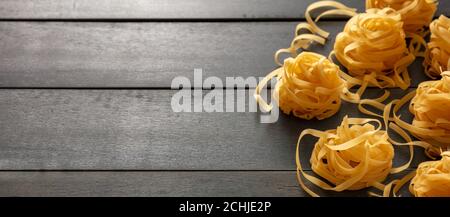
166, 9
136, 129
161, 183
85, 106
149, 54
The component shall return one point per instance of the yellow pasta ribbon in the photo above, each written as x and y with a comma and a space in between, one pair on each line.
313, 32
437, 58
309, 86
432, 178
354, 156
373, 49
430, 105
416, 14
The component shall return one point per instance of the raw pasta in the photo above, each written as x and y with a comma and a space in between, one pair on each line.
354, 156
313, 32
373, 49
430, 105
432, 178
437, 56
309, 86
416, 14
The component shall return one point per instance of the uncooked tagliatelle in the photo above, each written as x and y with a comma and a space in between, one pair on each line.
373, 49
308, 33
437, 58
430, 105
354, 156
416, 14
432, 178
308, 86
372, 46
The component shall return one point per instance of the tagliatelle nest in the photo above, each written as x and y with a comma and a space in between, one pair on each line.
308, 86
416, 14
356, 155
373, 49
430, 106
437, 58
432, 178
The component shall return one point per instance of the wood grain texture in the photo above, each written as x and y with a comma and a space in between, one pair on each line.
123, 130
165, 184
137, 130
165, 9
72, 54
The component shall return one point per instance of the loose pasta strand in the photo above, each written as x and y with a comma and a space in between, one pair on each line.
313, 32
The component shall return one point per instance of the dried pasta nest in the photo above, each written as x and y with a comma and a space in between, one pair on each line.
354, 156
373, 49
432, 178
430, 106
309, 86
437, 58
416, 14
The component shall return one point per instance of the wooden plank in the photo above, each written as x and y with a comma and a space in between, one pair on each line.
71, 54
162, 183
165, 9
137, 130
